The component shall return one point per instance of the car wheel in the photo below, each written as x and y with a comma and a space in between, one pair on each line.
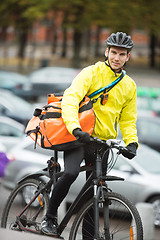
156, 208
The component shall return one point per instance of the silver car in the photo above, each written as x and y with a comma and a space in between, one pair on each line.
51, 80
15, 107
142, 174
11, 132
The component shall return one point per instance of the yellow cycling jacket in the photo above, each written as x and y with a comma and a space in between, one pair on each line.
121, 107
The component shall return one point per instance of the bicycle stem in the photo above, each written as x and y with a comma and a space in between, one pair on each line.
98, 165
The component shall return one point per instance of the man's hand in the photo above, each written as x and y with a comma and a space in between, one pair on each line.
81, 136
131, 150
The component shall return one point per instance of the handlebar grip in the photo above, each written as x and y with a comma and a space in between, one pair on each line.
122, 150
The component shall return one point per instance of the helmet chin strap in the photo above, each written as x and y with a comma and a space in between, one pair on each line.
115, 72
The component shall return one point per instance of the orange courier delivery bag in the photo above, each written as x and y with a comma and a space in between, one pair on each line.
48, 129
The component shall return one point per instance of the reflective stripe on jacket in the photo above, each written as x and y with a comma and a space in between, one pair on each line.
121, 107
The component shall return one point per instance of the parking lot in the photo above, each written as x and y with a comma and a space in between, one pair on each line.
147, 78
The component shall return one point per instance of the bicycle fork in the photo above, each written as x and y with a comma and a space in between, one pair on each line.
99, 195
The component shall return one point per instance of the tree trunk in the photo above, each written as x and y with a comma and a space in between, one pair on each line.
97, 54
77, 38
3, 34
22, 35
54, 43
88, 42
152, 50
3, 39
77, 49
64, 43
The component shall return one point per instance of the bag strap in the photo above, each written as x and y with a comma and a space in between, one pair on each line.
109, 86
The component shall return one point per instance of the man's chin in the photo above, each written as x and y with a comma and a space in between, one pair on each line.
116, 69
115, 66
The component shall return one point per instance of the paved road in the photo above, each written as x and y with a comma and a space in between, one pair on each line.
10, 235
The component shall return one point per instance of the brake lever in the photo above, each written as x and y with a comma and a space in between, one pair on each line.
122, 150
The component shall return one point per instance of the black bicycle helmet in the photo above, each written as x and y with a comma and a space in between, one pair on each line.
120, 39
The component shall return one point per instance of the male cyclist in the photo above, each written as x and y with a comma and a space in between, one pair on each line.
120, 108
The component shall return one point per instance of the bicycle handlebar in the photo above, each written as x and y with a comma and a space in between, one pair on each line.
111, 143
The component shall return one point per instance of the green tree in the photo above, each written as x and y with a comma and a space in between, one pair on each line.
139, 14
150, 20
80, 15
22, 14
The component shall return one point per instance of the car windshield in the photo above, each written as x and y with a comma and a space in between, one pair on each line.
11, 78
10, 100
54, 75
148, 159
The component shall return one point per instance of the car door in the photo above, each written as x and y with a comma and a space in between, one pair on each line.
128, 187
150, 138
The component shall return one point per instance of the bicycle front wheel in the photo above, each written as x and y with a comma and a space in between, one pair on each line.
123, 221
19, 214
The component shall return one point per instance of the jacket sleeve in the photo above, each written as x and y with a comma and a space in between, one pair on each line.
128, 117
72, 97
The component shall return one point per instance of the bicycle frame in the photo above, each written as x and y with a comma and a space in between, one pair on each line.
91, 188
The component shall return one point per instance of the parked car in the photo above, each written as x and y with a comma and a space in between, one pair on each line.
149, 104
142, 175
148, 130
51, 80
15, 107
11, 132
142, 178
17, 83
27, 161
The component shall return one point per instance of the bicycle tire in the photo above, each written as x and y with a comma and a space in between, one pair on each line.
12, 216
124, 220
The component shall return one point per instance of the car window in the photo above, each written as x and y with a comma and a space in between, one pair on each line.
11, 78
53, 75
7, 130
13, 100
148, 159
144, 126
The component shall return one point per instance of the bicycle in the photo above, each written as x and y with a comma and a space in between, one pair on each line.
114, 218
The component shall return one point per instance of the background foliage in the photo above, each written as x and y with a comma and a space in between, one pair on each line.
80, 15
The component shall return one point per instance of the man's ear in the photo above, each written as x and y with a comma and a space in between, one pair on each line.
106, 52
128, 56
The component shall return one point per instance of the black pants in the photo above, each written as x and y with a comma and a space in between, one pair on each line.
72, 161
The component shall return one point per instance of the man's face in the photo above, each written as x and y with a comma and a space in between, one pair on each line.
117, 57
